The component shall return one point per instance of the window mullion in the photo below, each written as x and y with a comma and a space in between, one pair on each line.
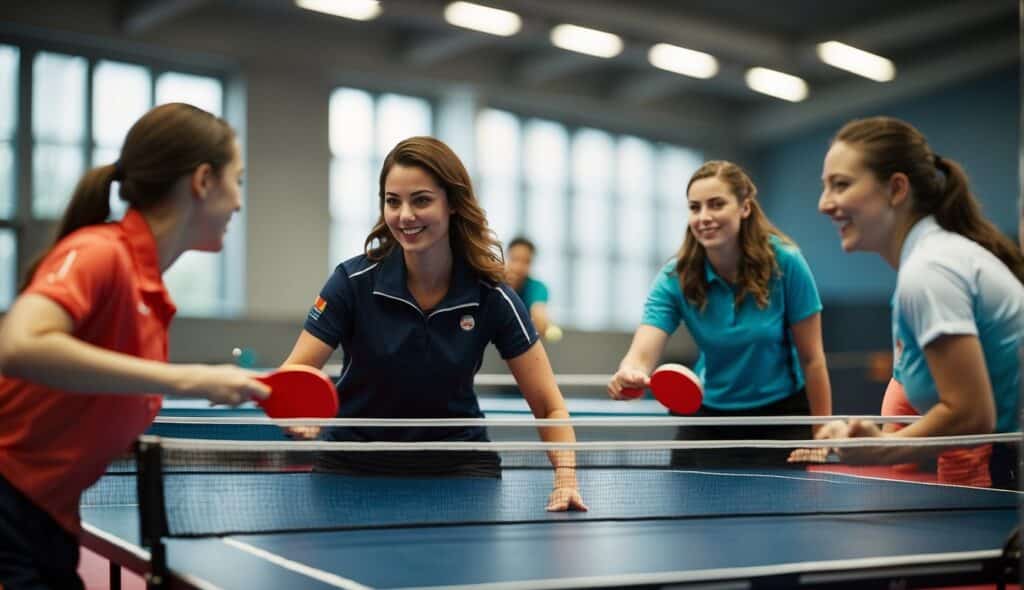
23, 141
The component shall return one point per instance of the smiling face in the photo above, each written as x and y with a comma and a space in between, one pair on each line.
716, 213
220, 203
416, 209
856, 201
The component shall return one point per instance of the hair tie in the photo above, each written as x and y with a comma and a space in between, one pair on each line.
118, 171
938, 160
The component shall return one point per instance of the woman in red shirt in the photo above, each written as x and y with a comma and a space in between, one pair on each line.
83, 350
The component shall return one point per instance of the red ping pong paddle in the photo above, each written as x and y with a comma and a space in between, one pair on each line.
632, 392
299, 391
677, 388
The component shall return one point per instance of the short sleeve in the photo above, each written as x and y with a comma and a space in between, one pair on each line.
514, 333
539, 292
79, 274
802, 299
935, 300
330, 317
664, 306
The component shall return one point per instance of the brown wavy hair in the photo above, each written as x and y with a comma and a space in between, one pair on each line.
940, 185
166, 143
469, 234
757, 263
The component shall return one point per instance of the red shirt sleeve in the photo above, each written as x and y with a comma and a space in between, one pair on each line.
78, 273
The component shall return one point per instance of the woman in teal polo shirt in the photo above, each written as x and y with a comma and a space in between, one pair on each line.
748, 299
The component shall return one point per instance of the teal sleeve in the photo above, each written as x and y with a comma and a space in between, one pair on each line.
664, 306
802, 299
537, 292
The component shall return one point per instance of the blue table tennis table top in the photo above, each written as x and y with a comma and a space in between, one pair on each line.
751, 527
494, 406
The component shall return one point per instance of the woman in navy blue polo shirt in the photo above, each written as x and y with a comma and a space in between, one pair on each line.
749, 301
414, 315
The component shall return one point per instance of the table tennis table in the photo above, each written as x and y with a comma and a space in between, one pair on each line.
645, 528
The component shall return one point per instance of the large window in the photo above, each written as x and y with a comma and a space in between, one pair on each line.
58, 131
605, 210
8, 172
8, 267
499, 137
8, 129
82, 109
198, 280
363, 129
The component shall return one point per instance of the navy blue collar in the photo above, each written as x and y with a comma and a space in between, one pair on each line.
391, 280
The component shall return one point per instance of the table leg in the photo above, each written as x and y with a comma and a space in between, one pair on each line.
115, 576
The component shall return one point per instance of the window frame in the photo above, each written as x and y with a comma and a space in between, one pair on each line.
571, 252
32, 233
375, 155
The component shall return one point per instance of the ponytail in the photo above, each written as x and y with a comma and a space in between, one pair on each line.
958, 211
167, 143
940, 185
89, 205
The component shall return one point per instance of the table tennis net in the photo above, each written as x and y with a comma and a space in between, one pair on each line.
197, 488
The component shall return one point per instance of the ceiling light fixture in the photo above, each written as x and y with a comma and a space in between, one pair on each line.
354, 9
776, 84
860, 62
483, 18
588, 41
681, 60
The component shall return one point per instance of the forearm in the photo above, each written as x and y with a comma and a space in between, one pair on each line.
819, 390
939, 421
564, 461
539, 317
84, 368
639, 360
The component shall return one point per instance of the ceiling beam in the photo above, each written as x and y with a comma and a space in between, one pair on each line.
541, 70
924, 24
140, 16
445, 47
669, 27
654, 85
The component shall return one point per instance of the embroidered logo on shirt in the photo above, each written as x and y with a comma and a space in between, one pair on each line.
53, 277
318, 308
467, 323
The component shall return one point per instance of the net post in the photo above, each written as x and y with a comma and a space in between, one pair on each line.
152, 509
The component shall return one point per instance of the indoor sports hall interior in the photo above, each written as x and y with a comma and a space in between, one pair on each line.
580, 123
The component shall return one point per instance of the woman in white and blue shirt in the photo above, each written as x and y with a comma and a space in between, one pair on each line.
958, 309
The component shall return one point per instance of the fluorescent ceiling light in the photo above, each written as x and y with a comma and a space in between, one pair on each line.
681, 60
588, 41
483, 18
354, 9
860, 62
776, 84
